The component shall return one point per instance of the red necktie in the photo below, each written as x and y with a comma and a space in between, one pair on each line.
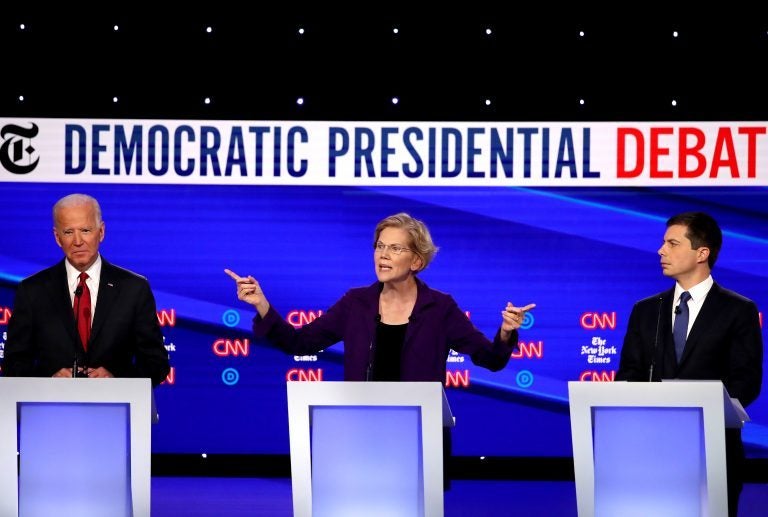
82, 310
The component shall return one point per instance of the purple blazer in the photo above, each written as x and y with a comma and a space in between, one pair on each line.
435, 326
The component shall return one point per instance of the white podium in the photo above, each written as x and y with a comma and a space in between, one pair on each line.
84, 447
651, 448
367, 448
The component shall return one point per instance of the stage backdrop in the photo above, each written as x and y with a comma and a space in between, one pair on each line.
565, 215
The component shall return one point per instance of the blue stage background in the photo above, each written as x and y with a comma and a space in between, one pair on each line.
583, 255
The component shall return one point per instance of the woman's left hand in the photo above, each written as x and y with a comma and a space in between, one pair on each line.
512, 318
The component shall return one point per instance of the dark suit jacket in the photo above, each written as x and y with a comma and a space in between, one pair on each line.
725, 343
436, 326
125, 333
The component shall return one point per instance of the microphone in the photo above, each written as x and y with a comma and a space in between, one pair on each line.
677, 310
78, 294
371, 355
78, 297
369, 370
655, 342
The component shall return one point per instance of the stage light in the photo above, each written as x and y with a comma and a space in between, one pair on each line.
301, 30
300, 101
395, 30
21, 98
114, 99
115, 28
207, 100
582, 102
674, 34
395, 100
22, 26
209, 29
204, 455
487, 102
582, 34
488, 31
674, 102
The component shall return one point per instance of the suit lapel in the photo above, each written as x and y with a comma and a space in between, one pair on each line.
665, 333
706, 318
105, 299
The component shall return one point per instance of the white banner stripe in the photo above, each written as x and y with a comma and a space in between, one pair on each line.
531, 154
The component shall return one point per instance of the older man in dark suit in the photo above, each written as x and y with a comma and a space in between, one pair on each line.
721, 339
84, 316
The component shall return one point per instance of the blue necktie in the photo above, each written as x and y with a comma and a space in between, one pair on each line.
681, 324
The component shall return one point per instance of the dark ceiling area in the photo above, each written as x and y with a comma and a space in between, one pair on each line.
484, 62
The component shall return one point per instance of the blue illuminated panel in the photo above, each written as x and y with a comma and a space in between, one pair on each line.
649, 461
74, 460
366, 459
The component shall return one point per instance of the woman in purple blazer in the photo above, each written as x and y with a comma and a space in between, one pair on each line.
396, 329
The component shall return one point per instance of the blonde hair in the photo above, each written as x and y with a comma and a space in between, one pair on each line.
421, 241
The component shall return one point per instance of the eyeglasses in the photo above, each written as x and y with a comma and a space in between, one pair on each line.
394, 248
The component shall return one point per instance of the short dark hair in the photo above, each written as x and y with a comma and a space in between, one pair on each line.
703, 231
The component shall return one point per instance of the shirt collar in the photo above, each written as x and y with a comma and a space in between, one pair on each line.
73, 275
698, 292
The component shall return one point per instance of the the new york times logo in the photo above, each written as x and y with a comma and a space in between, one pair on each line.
16, 150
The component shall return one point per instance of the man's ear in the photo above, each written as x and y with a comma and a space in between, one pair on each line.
702, 254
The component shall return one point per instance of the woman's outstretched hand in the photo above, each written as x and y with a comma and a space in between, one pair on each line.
512, 318
249, 291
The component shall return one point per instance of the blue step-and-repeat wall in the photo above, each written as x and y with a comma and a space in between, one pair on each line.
564, 233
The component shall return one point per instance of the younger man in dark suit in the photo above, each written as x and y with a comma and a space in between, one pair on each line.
117, 335
724, 340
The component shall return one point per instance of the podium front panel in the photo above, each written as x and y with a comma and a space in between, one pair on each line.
649, 448
649, 461
74, 459
118, 413
396, 426
366, 460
